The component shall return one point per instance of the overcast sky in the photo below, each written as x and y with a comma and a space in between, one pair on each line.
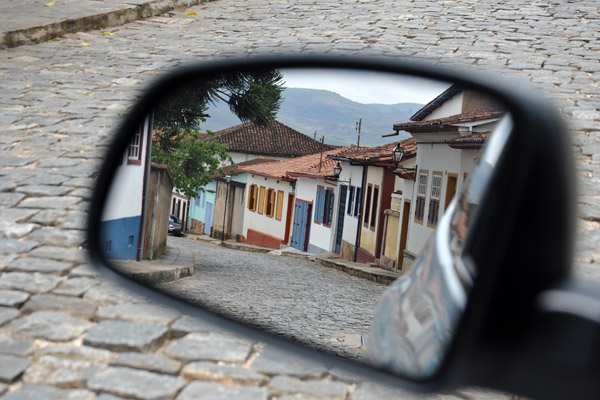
367, 87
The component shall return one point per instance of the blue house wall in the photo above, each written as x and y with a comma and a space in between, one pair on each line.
120, 238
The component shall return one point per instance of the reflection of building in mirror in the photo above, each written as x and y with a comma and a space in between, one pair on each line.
136, 214
450, 132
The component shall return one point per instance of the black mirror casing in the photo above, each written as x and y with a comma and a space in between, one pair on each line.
521, 239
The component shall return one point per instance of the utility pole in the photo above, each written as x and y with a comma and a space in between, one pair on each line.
315, 137
358, 125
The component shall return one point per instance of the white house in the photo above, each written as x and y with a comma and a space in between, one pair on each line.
123, 212
449, 131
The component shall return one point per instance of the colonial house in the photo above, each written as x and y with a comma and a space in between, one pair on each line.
378, 185
449, 132
135, 217
277, 141
247, 142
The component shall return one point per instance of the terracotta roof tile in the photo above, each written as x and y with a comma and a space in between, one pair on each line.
447, 123
474, 140
276, 140
383, 153
239, 167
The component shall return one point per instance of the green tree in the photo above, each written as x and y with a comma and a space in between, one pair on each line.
190, 159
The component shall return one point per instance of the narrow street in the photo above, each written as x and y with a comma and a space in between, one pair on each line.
295, 298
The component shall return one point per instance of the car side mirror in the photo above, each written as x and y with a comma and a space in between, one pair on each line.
459, 193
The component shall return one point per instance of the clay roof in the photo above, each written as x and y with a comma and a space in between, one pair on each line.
448, 123
239, 167
475, 140
383, 153
275, 140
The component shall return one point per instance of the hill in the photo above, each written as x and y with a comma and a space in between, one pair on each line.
329, 114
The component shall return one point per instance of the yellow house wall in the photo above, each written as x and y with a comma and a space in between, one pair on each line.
392, 233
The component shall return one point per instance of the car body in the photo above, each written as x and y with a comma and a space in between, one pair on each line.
174, 226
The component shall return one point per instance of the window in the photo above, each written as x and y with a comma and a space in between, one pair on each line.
324, 211
252, 192
279, 210
270, 202
261, 200
374, 206
421, 194
134, 150
357, 202
434, 201
350, 207
368, 204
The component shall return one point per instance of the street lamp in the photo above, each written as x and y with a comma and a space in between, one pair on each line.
227, 179
337, 170
397, 154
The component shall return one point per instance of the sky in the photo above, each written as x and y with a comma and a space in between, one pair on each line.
367, 87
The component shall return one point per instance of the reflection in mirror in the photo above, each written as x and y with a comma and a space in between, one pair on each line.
297, 200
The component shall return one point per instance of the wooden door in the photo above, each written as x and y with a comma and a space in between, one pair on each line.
288, 218
340, 222
301, 221
403, 233
450, 189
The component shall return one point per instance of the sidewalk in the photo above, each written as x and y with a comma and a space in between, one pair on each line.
359, 270
174, 264
36, 21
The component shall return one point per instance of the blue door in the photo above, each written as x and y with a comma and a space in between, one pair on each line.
301, 221
208, 219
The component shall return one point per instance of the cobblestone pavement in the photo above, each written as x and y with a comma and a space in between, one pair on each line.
64, 333
299, 299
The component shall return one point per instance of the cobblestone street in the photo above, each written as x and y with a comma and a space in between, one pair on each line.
296, 298
65, 333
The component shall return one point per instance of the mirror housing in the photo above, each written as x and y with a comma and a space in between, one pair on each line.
521, 244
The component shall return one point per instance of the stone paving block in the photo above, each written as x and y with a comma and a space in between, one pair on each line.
9, 199
11, 367
36, 392
51, 302
29, 282
47, 217
372, 391
78, 352
14, 246
198, 346
483, 394
57, 237
148, 362
18, 347
5, 259
125, 336
107, 293
73, 286
55, 202
35, 264
226, 374
215, 391
15, 230
275, 362
141, 312
49, 325
127, 382
84, 270
7, 314
186, 324
43, 190
61, 372
287, 384
60, 253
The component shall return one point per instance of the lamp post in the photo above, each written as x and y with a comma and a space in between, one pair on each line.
227, 179
397, 154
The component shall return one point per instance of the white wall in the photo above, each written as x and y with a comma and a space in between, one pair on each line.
449, 108
353, 172
320, 235
125, 196
261, 222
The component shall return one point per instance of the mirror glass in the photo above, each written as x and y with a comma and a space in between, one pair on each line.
323, 205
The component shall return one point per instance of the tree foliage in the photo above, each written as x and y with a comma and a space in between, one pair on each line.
190, 159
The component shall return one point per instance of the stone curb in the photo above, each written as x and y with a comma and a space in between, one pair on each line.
121, 14
154, 272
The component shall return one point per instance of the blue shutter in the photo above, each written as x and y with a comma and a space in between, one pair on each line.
330, 207
320, 214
